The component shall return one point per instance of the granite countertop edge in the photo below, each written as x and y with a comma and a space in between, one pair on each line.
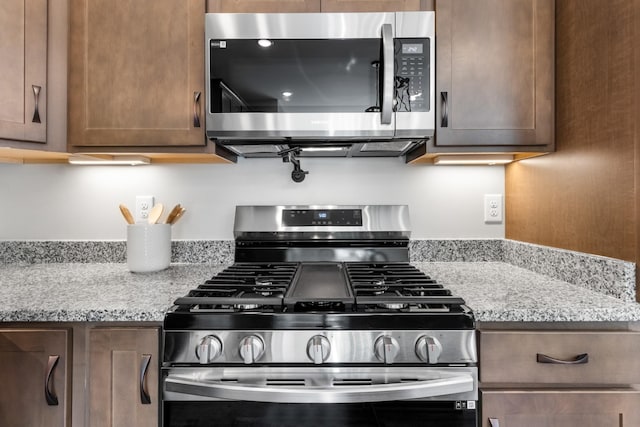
75, 292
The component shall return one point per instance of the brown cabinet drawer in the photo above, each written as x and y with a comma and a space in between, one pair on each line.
515, 357
573, 408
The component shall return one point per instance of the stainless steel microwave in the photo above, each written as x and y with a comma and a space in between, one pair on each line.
336, 84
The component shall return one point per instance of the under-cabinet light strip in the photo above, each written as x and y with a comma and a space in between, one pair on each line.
473, 160
81, 159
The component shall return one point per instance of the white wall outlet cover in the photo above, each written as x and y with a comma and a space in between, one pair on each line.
493, 208
143, 206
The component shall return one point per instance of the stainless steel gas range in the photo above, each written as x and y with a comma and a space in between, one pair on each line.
321, 321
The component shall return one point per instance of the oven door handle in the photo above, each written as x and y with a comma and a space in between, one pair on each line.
339, 394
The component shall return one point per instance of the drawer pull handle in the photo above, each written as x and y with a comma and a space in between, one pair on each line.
445, 109
196, 109
49, 393
145, 398
36, 98
578, 360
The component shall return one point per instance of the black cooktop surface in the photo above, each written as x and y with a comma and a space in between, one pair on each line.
310, 294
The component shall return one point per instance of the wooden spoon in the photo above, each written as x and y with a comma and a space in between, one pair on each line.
172, 214
155, 212
126, 213
178, 216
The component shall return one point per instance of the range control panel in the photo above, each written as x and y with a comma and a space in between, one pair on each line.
412, 74
315, 217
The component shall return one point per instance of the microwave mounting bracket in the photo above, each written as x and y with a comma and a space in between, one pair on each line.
290, 155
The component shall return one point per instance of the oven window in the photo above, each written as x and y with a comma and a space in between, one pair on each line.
257, 414
294, 76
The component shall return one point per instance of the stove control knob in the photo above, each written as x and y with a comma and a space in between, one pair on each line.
251, 349
209, 349
428, 349
318, 349
386, 348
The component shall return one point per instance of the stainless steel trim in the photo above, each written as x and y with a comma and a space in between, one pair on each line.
278, 126
375, 219
387, 73
227, 26
320, 385
347, 346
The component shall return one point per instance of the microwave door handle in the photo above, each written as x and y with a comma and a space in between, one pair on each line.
342, 394
387, 74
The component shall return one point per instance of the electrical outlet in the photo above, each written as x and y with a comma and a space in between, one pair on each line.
143, 206
493, 208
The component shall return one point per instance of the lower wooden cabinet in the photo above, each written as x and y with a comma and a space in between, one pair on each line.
567, 408
35, 371
123, 377
559, 378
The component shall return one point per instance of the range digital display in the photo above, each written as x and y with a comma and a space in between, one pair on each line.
322, 217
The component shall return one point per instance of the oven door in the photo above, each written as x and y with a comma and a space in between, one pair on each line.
436, 397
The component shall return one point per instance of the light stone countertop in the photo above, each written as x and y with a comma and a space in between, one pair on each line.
93, 292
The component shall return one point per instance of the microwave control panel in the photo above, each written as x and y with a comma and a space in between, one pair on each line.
412, 75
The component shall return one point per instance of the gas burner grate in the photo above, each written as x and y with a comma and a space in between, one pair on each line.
242, 287
398, 287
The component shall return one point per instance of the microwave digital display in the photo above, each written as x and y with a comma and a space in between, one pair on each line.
411, 48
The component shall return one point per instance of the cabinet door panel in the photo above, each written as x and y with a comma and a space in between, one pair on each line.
369, 5
571, 408
116, 363
23, 49
135, 67
263, 6
24, 356
495, 68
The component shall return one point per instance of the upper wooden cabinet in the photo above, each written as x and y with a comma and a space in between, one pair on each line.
494, 75
292, 6
34, 367
136, 73
262, 6
23, 70
370, 5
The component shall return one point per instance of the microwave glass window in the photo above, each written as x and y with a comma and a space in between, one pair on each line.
294, 76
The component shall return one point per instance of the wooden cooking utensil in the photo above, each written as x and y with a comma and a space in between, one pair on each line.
155, 212
172, 214
178, 216
126, 213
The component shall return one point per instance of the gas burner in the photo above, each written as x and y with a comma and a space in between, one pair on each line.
263, 282
373, 290
269, 291
246, 307
393, 306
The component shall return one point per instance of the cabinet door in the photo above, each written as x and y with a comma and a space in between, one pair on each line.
574, 408
23, 70
495, 73
370, 5
34, 369
136, 73
123, 377
263, 6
